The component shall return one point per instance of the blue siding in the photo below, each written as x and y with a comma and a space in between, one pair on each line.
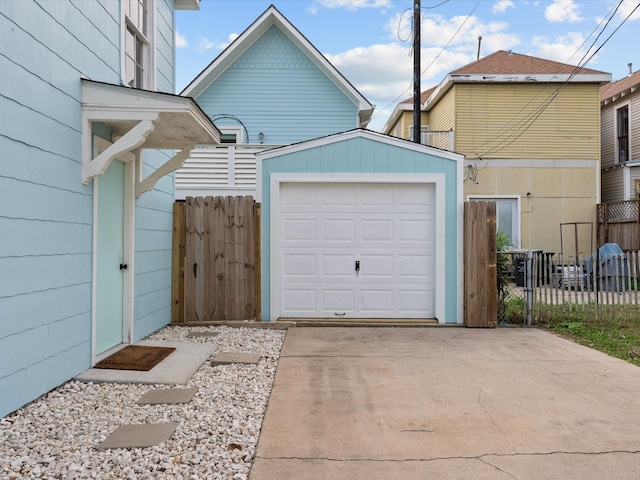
46, 214
165, 50
274, 89
363, 155
153, 243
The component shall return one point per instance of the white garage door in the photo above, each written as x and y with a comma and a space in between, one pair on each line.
357, 250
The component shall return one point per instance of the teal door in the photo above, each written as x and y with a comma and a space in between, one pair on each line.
110, 261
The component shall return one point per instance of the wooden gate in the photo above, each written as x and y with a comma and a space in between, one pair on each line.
216, 259
480, 270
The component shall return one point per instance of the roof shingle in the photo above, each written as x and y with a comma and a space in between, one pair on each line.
423, 96
503, 62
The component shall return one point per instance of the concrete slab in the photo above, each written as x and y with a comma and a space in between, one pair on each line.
167, 396
447, 403
226, 358
176, 369
138, 436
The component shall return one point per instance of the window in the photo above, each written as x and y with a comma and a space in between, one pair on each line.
637, 190
507, 216
137, 44
231, 134
622, 134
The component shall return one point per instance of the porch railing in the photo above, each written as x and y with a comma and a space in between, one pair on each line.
442, 139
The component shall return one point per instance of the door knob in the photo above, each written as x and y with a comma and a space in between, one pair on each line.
123, 266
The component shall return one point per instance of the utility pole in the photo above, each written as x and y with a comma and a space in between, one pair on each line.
416, 71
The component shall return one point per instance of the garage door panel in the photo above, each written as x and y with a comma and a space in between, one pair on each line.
299, 196
414, 230
296, 229
376, 265
415, 266
338, 230
415, 301
336, 196
338, 301
374, 196
376, 230
376, 301
299, 300
337, 265
299, 265
417, 197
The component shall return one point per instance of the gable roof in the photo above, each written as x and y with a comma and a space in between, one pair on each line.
272, 17
614, 90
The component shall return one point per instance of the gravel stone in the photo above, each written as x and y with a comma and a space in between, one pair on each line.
216, 437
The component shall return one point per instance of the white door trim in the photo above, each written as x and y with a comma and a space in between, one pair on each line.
129, 161
436, 179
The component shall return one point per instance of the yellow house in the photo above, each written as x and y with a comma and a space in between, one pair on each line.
529, 129
620, 107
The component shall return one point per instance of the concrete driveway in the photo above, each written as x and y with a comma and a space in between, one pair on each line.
448, 403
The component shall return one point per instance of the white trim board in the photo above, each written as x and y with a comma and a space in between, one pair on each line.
436, 179
129, 160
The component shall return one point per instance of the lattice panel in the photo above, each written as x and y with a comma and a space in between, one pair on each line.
623, 211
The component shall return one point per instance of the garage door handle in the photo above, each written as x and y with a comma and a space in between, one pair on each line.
339, 314
357, 266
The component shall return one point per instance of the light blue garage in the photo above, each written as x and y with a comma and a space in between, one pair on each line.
361, 225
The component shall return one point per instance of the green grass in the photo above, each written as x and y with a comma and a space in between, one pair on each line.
617, 333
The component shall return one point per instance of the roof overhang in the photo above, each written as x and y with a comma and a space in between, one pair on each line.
619, 95
187, 4
530, 78
141, 119
395, 116
357, 133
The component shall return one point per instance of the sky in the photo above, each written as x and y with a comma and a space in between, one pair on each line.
370, 41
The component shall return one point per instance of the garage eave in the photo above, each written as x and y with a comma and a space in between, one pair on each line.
358, 133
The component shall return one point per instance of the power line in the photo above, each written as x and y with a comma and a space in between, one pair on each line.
535, 114
404, 92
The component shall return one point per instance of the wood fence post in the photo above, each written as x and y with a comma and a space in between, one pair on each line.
177, 263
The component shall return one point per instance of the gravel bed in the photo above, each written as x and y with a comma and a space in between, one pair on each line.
56, 436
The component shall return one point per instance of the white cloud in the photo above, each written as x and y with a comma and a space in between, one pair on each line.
205, 44
563, 11
627, 7
383, 73
350, 4
501, 6
181, 41
565, 48
461, 32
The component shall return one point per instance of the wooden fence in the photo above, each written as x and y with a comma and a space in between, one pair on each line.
480, 272
619, 222
216, 259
